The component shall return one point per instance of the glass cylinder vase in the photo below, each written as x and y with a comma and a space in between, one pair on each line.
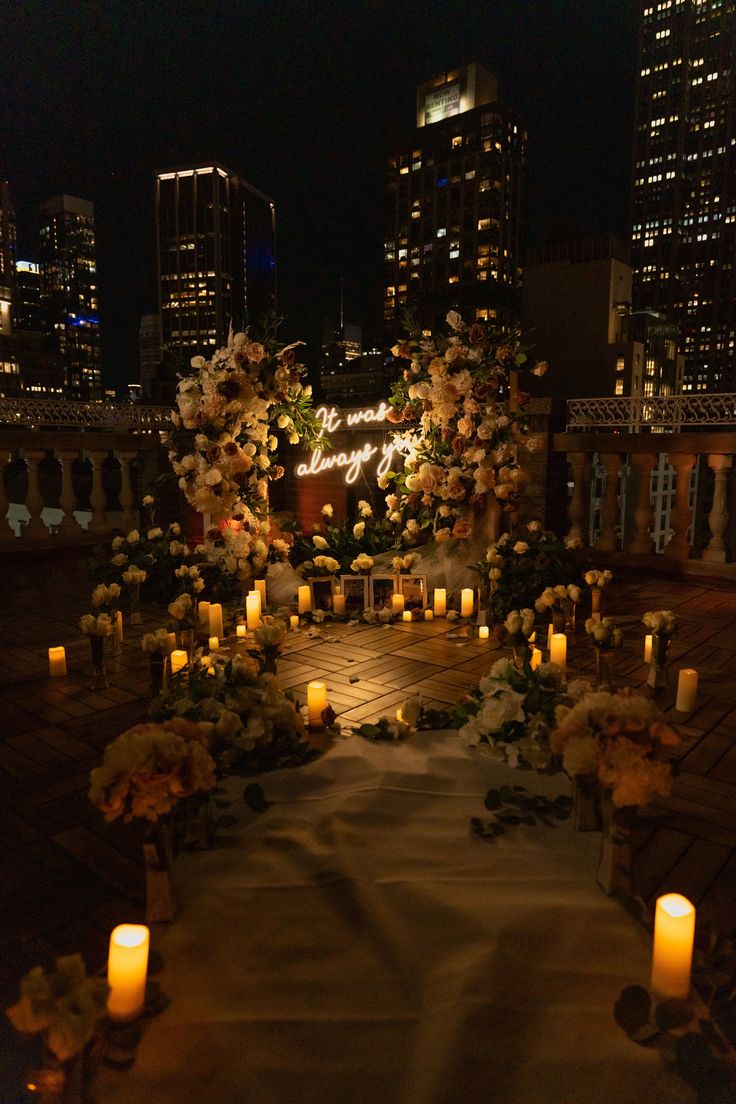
603, 669
134, 598
596, 603
658, 665
614, 864
99, 674
157, 673
158, 855
521, 652
186, 643
558, 621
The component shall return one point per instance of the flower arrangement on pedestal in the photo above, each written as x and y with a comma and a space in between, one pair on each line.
519, 625
461, 450
561, 602
662, 624
268, 639
514, 571
606, 638
224, 442
597, 580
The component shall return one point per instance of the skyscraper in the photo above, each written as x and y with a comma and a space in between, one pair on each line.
454, 207
7, 256
69, 283
684, 193
216, 257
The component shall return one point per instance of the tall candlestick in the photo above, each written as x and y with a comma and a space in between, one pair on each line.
305, 599
550, 634
294, 622
179, 660
536, 658
203, 613
57, 662
260, 585
648, 648
338, 605
397, 603
466, 602
316, 703
214, 643
240, 631
253, 611
119, 626
687, 690
257, 595
429, 615
127, 967
674, 931
216, 628
440, 601
558, 650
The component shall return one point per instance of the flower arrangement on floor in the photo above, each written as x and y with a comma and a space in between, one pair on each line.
606, 638
515, 571
461, 450
342, 541
251, 724
224, 440
560, 601
519, 625
662, 624
268, 638
597, 580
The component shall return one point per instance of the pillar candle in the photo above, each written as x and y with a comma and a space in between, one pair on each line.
533, 637
440, 601
172, 642
305, 599
253, 611
178, 660
558, 650
674, 931
648, 648
204, 613
483, 632
57, 662
397, 603
316, 703
119, 626
260, 585
294, 621
257, 595
338, 605
550, 633
240, 631
214, 643
466, 602
215, 613
687, 690
536, 658
127, 967
429, 615
406, 615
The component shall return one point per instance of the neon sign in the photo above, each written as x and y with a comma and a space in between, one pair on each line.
352, 461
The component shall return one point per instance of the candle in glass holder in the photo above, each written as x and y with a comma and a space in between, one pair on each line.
172, 642
406, 615
294, 622
240, 631
305, 599
214, 643
466, 602
253, 611
550, 633
316, 703
215, 612
179, 660
687, 690
204, 613
558, 650
57, 662
648, 648
429, 615
397, 603
260, 585
674, 931
338, 605
127, 968
483, 632
536, 658
440, 601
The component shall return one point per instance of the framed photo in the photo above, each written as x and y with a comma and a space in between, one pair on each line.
414, 589
356, 590
383, 588
322, 590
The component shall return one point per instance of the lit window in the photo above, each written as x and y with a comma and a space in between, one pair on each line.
619, 387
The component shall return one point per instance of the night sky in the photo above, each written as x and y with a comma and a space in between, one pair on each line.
306, 99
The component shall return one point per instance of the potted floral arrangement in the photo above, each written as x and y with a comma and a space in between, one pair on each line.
268, 638
605, 637
561, 601
362, 564
157, 647
133, 577
662, 624
405, 565
519, 625
514, 571
97, 627
597, 580
183, 612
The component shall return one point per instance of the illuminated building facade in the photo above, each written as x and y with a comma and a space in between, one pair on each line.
453, 220
684, 189
7, 256
69, 286
216, 258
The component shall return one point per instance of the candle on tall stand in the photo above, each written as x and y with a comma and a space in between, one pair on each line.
687, 690
253, 611
215, 613
558, 650
466, 602
648, 648
260, 586
204, 614
305, 599
119, 626
57, 662
127, 969
440, 601
674, 932
550, 634
316, 703
338, 604
397, 603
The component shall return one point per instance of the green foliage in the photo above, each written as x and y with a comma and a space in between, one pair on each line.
513, 805
547, 562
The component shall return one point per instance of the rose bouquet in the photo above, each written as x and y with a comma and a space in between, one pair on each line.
268, 639
106, 598
99, 625
514, 571
597, 580
345, 540
605, 637
362, 564
182, 611
662, 624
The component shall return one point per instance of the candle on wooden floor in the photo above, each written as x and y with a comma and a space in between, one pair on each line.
257, 595
558, 650
214, 643
240, 631
127, 968
429, 615
406, 615
203, 613
305, 599
260, 585
648, 648
253, 611
687, 690
57, 662
316, 703
466, 602
674, 931
294, 622
440, 601
338, 605
536, 658
397, 603
178, 660
483, 632
215, 612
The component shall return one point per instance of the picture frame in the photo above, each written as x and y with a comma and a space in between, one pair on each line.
322, 590
383, 588
415, 591
357, 593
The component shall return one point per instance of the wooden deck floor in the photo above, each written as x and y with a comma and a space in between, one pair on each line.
65, 879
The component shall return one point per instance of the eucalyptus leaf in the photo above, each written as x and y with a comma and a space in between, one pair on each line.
631, 1010
255, 799
673, 1014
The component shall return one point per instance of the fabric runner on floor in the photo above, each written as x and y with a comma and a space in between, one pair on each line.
357, 943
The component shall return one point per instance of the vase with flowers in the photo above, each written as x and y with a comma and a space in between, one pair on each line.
605, 638
662, 625
519, 625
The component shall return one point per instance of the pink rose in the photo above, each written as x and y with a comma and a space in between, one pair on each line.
462, 529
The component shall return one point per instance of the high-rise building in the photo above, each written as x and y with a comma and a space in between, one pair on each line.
216, 257
28, 309
684, 188
7, 256
69, 283
454, 207
149, 345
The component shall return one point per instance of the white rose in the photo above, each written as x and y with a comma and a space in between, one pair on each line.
154, 534
320, 542
359, 530
133, 536
520, 548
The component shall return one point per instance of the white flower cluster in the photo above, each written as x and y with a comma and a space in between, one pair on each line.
520, 622
106, 597
604, 633
156, 643
598, 578
101, 625
660, 621
557, 597
134, 576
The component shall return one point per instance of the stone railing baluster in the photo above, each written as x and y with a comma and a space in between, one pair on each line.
716, 551
69, 525
608, 538
682, 515
642, 464
127, 498
98, 498
36, 528
578, 509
